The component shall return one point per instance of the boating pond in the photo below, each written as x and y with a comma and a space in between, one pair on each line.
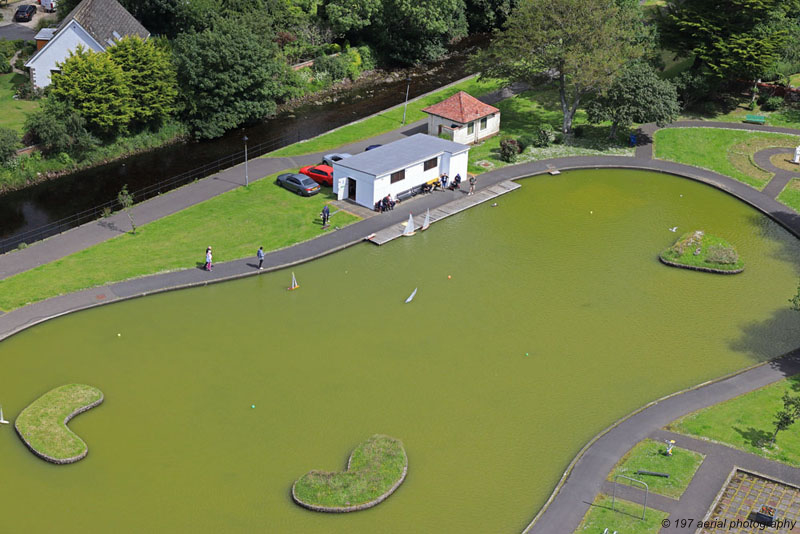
537, 323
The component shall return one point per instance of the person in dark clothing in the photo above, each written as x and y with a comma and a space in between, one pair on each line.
457, 182
260, 256
326, 215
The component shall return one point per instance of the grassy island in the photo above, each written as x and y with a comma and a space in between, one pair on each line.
701, 252
376, 468
43, 424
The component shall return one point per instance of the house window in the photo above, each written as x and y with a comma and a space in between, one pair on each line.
483, 123
431, 163
399, 175
471, 128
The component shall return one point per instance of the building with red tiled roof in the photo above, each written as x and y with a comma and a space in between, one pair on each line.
463, 118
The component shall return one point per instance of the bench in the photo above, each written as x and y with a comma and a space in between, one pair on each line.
755, 119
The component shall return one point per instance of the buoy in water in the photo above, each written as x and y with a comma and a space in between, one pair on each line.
119, 335
449, 277
252, 405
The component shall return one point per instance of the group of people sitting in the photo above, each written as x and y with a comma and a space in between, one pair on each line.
455, 184
385, 204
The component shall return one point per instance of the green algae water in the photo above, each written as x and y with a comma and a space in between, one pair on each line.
537, 323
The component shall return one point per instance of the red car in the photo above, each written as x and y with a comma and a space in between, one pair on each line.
322, 174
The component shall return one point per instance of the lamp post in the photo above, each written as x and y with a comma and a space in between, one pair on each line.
408, 86
246, 177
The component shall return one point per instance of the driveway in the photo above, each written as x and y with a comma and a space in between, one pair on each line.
21, 30
15, 31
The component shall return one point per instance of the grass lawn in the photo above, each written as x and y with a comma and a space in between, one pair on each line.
788, 117
523, 113
649, 456
715, 252
374, 467
795, 80
42, 423
384, 122
14, 111
746, 422
728, 152
790, 195
235, 224
626, 518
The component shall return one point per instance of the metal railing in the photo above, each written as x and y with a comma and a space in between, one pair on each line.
150, 191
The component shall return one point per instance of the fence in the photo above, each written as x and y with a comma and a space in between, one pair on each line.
56, 227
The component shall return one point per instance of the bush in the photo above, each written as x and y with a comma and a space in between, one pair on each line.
721, 254
368, 59
545, 135
525, 141
334, 66
773, 103
579, 131
9, 142
27, 91
509, 148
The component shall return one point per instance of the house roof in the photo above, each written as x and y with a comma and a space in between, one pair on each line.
461, 107
105, 20
400, 154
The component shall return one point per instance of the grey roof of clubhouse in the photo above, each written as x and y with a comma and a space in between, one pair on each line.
401, 154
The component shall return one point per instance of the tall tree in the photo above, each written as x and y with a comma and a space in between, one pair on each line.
637, 94
97, 88
731, 38
488, 15
579, 44
150, 71
227, 76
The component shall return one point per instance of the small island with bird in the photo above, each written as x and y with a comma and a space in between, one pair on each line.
702, 252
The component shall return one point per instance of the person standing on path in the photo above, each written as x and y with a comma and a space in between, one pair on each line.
260, 255
326, 214
471, 185
209, 258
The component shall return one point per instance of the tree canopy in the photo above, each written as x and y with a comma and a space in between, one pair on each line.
579, 44
637, 94
97, 88
150, 71
224, 79
734, 38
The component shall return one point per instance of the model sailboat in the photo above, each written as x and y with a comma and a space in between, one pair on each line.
2, 419
411, 297
427, 222
294, 285
409, 231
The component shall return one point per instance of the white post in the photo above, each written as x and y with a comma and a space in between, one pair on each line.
797, 155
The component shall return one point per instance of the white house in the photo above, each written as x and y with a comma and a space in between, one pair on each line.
397, 168
95, 24
463, 119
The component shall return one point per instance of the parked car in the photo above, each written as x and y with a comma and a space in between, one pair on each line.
322, 174
24, 13
49, 6
330, 158
370, 147
299, 183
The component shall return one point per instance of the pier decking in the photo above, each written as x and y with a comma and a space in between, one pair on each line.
451, 208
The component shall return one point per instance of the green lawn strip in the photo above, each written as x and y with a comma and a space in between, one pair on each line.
626, 518
727, 152
235, 224
788, 117
41, 424
746, 422
14, 111
384, 122
790, 195
715, 252
374, 467
648, 455
524, 113
795, 80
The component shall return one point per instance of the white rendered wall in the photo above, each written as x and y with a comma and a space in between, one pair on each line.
57, 50
433, 126
458, 165
492, 127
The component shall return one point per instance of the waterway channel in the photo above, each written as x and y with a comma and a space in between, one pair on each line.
30, 208
537, 323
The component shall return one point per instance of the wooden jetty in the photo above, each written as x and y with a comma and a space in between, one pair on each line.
451, 208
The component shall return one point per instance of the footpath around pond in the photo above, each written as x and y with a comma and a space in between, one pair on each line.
586, 474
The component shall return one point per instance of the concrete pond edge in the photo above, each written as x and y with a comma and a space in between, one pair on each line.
697, 268
67, 419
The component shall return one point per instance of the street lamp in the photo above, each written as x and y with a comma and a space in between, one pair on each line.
246, 177
408, 86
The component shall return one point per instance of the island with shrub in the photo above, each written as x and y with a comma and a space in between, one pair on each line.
702, 252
